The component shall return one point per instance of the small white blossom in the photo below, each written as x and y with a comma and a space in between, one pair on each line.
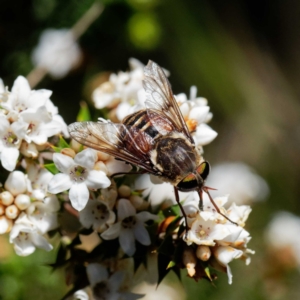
125, 88
44, 213
103, 285
39, 179
97, 215
57, 52
238, 180
227, 241
283, 233
130, 227
26, 237
10, 142
224, 255
22, 98
196, 113
77, 175
205, 232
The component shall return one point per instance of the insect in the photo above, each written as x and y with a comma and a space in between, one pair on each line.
155, 139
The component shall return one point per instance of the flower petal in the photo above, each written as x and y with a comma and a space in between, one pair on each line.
96, 273
204, 135
63, 162
125, 209
127, 241
112, 232
79, 195
59, 183
40, 242
144, 216
21, 89
97, 180
9, 157
141, 234
86, 158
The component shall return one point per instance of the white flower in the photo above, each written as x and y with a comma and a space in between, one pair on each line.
238, 180
125, 88
104, 286
130, 227
283, 233
10, 142
156, 190
44, 213
22, 98
33, 118
225, 255
196, 113
206, 232
77, 175
39, 125
57, 52
26, 237
39, 179
96, 214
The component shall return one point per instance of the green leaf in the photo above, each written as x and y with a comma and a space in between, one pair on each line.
173, 210
51, 168
171, 264
207, 272
62, 143
84, 113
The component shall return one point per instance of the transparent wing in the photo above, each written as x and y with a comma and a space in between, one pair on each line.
107, 137
160, 97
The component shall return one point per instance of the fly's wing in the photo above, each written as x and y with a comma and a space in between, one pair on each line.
106, 137
161, 99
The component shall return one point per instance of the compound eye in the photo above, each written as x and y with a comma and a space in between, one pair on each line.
203, 170
188, 183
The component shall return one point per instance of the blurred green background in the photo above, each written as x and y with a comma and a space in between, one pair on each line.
244, 58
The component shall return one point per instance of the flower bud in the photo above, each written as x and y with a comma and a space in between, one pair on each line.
2, 209
124, 191
22, 201
136, 201
6, 198
103, 156
75, 145
203, 252
29, 150
189, 260
100, 166
12, 212
16, 183
5, 224
68, 151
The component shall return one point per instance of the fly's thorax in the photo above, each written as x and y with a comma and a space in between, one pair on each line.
174, 156
141, 131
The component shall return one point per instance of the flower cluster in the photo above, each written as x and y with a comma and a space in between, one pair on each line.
108, 224
27, 119
213, 238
